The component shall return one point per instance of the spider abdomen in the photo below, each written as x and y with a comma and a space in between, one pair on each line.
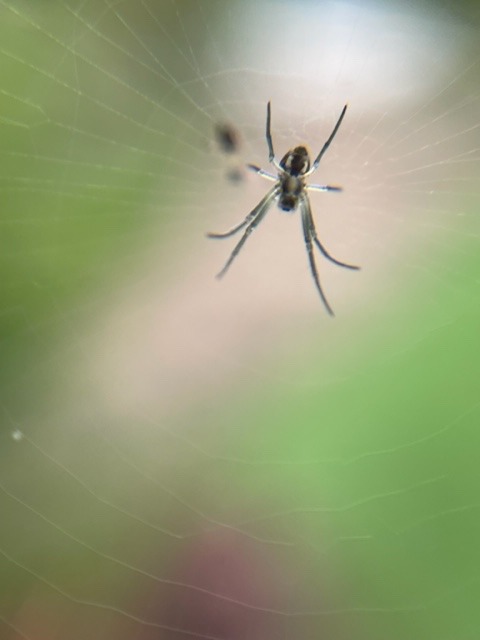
296, 162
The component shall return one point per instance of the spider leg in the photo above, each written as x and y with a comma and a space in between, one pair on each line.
262, 172
311, 258
328, 142
268, 135
251, 216
323, 187
307, 211
254, 220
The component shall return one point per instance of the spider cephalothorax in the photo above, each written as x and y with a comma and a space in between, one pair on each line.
290, 192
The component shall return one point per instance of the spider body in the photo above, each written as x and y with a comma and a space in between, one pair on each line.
289, 192
294, 165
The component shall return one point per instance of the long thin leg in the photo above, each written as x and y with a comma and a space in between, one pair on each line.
323, 187
306, 209
271, 153
268, 135
254, 223
262, 172
328, 142
313, 267
263, 202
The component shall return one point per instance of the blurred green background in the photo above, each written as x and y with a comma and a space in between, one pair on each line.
182, 458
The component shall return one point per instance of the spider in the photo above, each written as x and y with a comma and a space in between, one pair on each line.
290, 192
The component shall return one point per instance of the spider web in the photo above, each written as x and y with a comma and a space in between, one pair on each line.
187, 458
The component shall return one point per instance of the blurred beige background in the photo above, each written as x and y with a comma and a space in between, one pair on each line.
188, 457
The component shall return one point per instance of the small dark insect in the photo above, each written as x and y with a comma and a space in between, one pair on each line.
290, 192
227, 138
228, 141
